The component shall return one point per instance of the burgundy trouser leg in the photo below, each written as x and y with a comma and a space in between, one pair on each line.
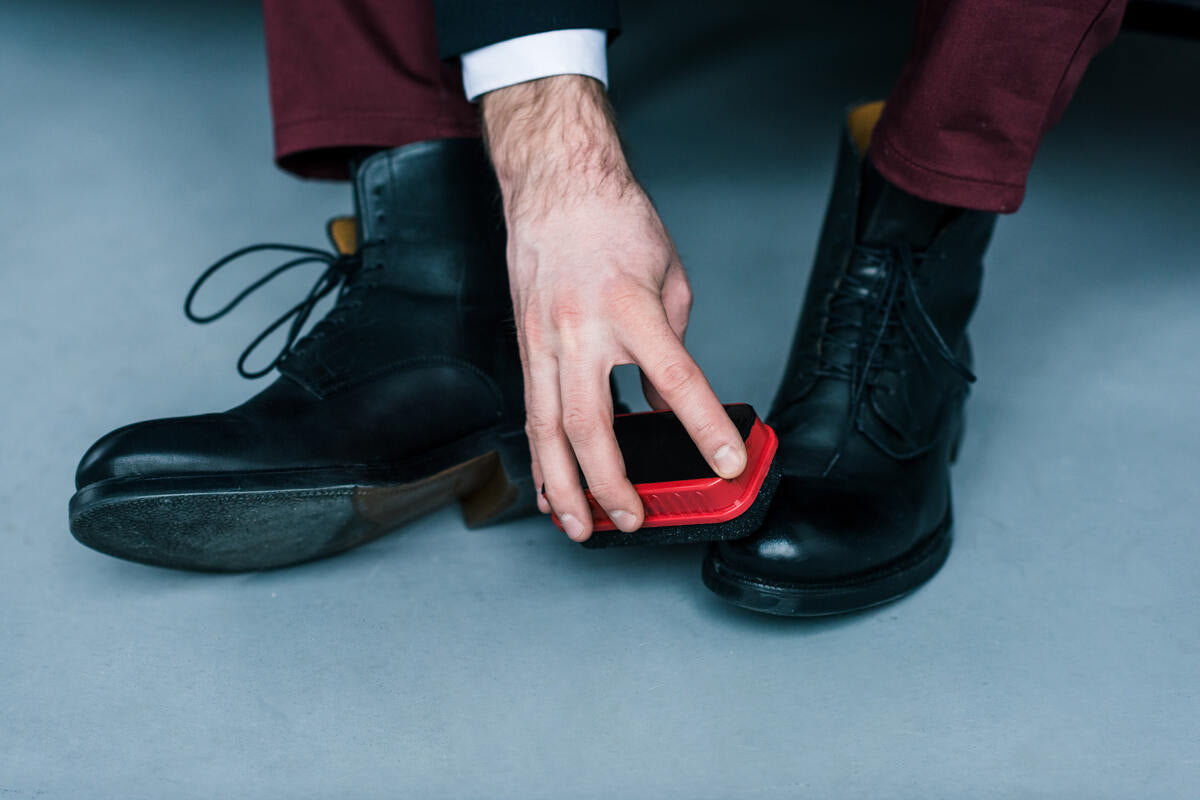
348, 75
984, 81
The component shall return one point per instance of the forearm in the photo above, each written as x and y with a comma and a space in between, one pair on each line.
552, 139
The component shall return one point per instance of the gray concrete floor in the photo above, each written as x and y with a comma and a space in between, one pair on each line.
1055, 656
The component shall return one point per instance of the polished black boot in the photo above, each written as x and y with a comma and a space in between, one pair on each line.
870, 411
405, 397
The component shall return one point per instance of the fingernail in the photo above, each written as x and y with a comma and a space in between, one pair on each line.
623, 520
729, 463
542, 505
572, 526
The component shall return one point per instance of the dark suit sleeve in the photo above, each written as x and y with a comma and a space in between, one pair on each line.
464, 25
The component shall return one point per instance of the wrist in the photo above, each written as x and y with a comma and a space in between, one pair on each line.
555, 134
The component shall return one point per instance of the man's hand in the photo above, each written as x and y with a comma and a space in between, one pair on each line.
596, 282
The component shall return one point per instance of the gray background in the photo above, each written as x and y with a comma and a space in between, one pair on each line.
1055, 656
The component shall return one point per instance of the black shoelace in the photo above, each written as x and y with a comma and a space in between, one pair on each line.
877, 338
338, 271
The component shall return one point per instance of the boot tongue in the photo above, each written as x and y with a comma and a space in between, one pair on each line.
889, 215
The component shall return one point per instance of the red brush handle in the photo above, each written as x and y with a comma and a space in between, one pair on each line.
701, 501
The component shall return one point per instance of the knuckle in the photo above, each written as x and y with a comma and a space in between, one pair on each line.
612, 493
676, 376
626, 302
532, 330
603, 488
565, 500
579, 425
623, 305
708, 429
566, 314
556, 499
539, 427
686, 296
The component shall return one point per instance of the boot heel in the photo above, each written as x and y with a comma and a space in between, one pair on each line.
507, 492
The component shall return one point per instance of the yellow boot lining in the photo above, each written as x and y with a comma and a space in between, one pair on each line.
862, 120
344, 233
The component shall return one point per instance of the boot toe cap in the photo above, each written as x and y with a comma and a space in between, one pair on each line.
816, 532
157, 447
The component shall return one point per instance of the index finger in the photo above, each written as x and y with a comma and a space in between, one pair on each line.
680, 382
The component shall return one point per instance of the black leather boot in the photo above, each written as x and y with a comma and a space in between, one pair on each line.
405, 397
870, 411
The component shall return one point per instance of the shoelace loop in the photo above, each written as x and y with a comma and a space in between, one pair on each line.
338, 270
890, 326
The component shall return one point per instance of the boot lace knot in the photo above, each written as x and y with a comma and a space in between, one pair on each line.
339, 274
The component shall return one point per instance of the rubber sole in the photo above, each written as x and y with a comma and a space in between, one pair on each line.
884, 584
237, 522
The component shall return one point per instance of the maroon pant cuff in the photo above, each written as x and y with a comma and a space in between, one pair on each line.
930, 183
322, 148
984, 81
351, 77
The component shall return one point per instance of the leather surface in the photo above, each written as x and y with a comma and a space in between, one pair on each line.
433, 281
418, 352
889, 485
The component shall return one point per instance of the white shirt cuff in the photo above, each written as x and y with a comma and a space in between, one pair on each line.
578, 51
